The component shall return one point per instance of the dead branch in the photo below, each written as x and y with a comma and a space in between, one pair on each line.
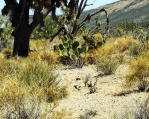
76, 9
91, 15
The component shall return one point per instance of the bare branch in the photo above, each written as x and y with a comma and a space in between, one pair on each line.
83, 7
44, 13
64, 29
80, 9
92, 14
58, 32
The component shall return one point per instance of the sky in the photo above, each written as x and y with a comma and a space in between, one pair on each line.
97, 3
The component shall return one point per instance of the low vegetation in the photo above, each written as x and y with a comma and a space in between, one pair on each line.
28, 85
140, 111
24, 81
107, 64
138, 76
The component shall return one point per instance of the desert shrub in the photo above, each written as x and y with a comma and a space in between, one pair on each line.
115, 45
106, 49
120, 58
11, 93
106, 64
142, 35
39, 76
74, 62
119, 48
124, 43
138, 75
37, 73
140, 111
128, 26
135, 49
22, 79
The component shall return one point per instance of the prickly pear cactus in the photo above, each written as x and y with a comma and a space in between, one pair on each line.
68, 48
92, 42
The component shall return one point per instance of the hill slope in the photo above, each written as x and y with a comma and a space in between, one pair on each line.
130, 10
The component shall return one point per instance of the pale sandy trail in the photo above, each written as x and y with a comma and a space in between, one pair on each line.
103, 101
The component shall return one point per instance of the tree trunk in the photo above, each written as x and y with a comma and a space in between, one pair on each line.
22, 31
19, 17
21, 41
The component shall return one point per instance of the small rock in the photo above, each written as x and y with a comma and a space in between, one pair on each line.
77, 87
78, 78
101, 74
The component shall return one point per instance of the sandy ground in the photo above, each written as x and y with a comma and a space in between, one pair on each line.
103, 101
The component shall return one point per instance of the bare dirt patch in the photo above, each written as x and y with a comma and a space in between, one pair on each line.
103, 100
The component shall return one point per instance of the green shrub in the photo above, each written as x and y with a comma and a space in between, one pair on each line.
106, 64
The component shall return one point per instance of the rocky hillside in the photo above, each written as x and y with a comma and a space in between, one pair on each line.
130, 10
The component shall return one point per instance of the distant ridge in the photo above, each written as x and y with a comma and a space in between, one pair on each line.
125, 10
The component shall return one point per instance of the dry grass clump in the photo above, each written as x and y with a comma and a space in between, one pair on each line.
8, 68
98, 36
120, 45
39, 44
59, 115
17, 101
124, 43
23, 78
7, 51
50, 57
106, 64
30, 108
41, 79
138, 75
11, 92
36, 73
140, 111
135, 49
120, 48
39, 51
103, 51
46, 56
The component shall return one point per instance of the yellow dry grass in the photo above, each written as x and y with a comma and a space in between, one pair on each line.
32, 77
138, 76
